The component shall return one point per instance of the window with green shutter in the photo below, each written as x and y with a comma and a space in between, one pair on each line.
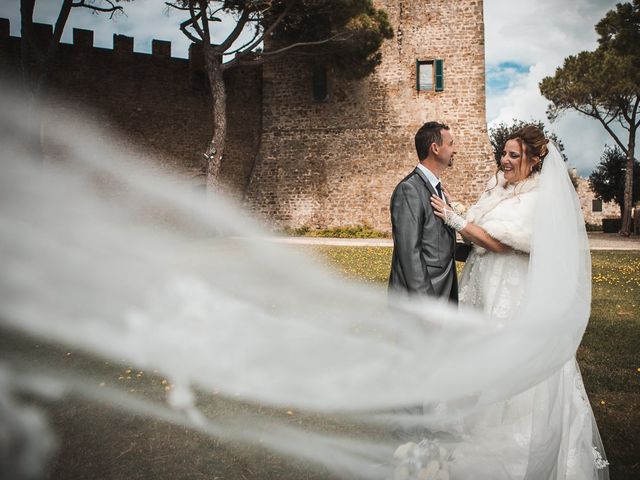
430, 75
439, 75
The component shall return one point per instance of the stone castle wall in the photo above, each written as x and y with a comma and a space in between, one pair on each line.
151, 102
295, 161
337, 162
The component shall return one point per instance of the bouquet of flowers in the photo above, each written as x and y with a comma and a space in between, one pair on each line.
426, 460
459, 208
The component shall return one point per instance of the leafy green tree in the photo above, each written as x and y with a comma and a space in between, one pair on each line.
605, 85
608, 179
344, 33
498, 136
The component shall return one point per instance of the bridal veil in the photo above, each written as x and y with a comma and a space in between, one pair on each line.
109, 256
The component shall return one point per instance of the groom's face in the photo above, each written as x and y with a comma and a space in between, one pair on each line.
446, 151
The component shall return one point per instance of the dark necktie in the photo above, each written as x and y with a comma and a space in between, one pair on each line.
439, 189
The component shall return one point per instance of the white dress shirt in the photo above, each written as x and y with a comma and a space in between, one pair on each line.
432, 178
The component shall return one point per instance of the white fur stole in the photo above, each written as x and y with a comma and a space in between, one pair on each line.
506, 211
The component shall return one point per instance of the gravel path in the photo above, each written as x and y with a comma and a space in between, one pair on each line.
597, 240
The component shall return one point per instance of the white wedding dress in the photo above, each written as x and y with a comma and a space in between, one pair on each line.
545, 432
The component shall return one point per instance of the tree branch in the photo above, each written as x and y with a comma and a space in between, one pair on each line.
304, 44
113, 9
238, 59
233, 36
204, 30
273, 25
28, 45
609, 130
240, 49
215, 11
187, 33
65, 9
177, 7
195, 19
625, 112
635, 113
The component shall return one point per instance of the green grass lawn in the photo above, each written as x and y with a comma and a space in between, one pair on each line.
609, 358
102, 442
609, 355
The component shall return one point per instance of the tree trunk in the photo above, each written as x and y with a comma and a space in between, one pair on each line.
29, 64
215, 152
26, 29
52, 50
627, 219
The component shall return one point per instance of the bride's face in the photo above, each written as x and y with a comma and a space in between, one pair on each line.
513, 162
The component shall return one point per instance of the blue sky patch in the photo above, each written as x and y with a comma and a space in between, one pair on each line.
500, 77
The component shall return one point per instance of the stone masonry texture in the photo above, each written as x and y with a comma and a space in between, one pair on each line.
293, 161
151, 102
336, 163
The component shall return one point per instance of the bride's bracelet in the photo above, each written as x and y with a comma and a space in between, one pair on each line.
454, 220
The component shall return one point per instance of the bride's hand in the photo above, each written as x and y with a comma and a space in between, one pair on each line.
439, 207
447, 195
446, 213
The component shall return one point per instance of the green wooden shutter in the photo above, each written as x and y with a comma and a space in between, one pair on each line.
439, 74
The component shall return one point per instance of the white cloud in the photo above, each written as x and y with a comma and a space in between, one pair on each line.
541, 35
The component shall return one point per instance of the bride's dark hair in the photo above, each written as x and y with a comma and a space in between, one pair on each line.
533, 143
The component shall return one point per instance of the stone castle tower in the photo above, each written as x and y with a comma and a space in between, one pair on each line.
297, 153
336, 160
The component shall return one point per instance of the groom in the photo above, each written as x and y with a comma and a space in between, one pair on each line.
423, 246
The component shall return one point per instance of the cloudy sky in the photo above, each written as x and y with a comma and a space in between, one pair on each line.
526, 40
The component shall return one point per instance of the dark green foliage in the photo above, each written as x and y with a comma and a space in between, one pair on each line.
356, 27
619, 31
605, 85
595, 84
607, 180
499, 134
346, 34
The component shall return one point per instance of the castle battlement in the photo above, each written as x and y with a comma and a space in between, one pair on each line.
294, 159
83, 41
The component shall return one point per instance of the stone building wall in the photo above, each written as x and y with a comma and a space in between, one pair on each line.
295, 161
586, 196
151, 102
336, 162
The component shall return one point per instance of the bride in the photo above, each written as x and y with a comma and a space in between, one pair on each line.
548, 431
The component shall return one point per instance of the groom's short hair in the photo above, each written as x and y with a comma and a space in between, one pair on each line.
429, 133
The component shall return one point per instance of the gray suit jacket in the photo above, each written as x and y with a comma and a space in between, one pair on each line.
423, 246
